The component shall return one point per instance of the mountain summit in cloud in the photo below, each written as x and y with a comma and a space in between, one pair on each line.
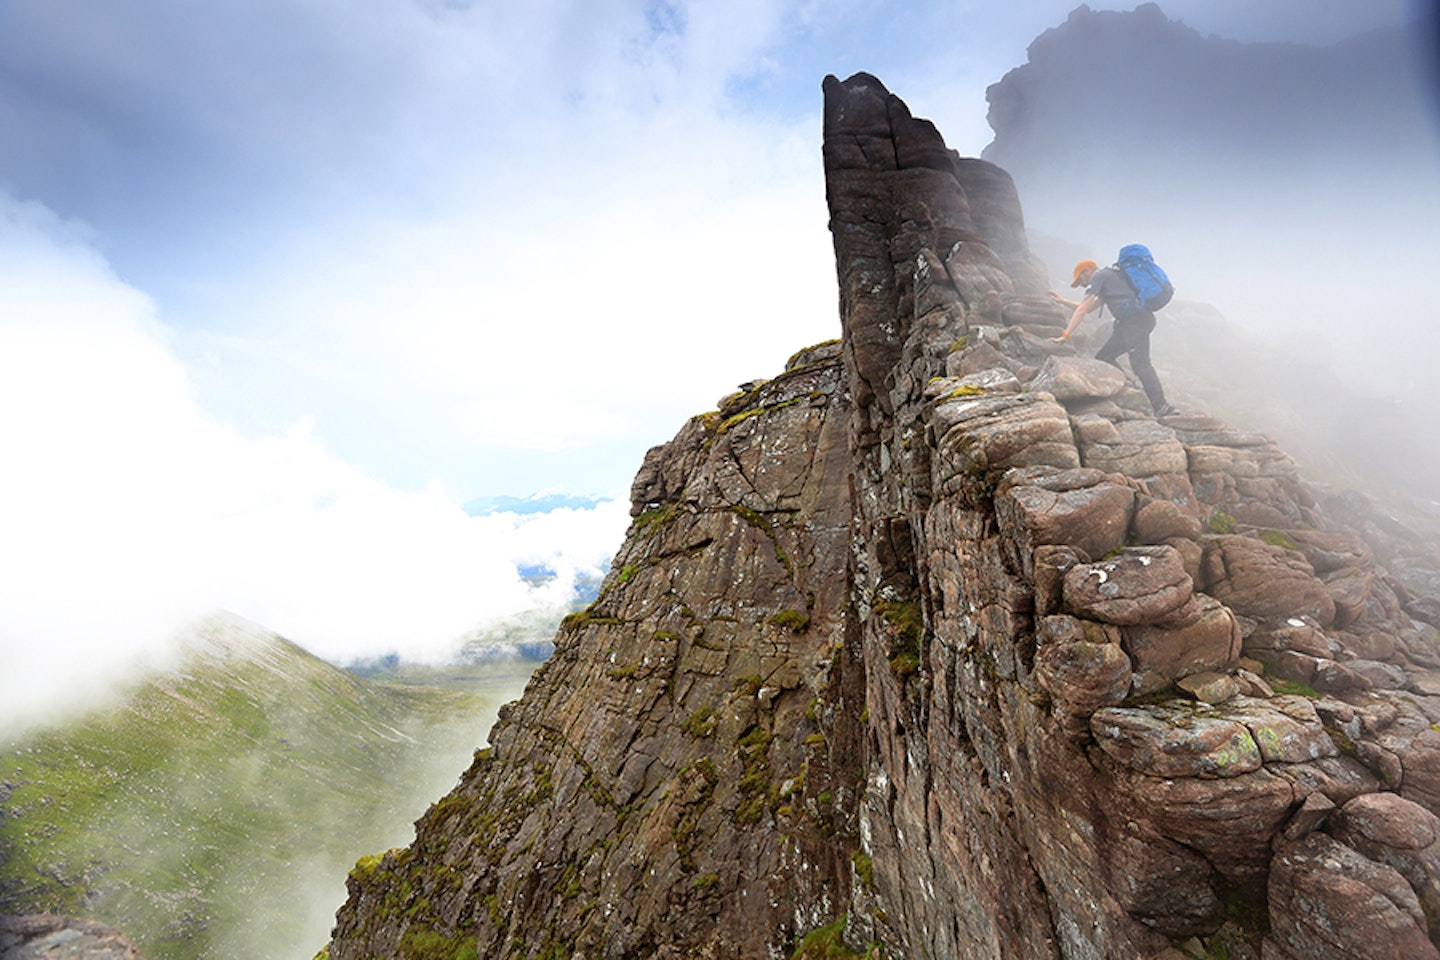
940, 643
1294, 188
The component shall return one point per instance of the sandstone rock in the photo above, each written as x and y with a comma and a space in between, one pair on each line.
834, 670
1328, 551
1300, 634
1379, 675
1144, 448
1286, 729
1398, 833
995, 433
1239, 462
979, 277
1050, 565
1080, 675
1078, 378
1229, 820
1328, 902
1037, 314
995, 380
1206, 640
996, 215
1209, 687
1079, 508
978, 357
1331, 676
1161, 883
1173, 740
1419, 757
1316, 809
1253, 685
1140, 585
1339, 779
1157, 521
1192, 556
1091, 428
1350, 591
1263, 581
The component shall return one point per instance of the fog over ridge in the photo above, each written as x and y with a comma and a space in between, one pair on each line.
1295, 188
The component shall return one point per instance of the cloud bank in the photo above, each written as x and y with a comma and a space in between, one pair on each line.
127, 511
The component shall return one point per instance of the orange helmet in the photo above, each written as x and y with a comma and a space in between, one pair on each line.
1080, 268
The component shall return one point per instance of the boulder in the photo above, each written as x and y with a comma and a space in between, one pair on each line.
1175, 739
1078, 378
978, 357
1296, 633
1328, 551
1081, 677
1286, 729
1139, 585
1263, 581
1141, 448
1206, 639
1394, 831
1330, 902
1350, 591
1079, 508
1157, 521
1230, 820
1038, 314
1209, 686
991, 433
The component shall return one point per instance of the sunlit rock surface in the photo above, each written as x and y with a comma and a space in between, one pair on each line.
940, 638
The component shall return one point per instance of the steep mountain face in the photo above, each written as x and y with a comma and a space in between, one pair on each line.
674, 781
940, 643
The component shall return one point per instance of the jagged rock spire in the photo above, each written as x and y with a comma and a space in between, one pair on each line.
938, 636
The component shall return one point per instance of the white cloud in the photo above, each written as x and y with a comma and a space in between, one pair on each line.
127, 512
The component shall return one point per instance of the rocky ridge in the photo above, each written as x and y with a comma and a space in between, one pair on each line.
939, 644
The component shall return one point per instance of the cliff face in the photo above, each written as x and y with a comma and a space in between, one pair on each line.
941, 632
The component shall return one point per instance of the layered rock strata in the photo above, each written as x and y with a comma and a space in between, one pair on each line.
941, 635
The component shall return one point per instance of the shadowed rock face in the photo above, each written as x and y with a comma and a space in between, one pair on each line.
941, 632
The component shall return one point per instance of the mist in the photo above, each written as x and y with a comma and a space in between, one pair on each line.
1293, 188
129, 512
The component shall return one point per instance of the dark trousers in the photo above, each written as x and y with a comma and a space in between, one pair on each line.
1132, 335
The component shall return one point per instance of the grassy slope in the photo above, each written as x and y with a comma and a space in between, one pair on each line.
217, 810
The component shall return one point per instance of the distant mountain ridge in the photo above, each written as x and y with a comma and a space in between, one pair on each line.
1138, 98
533, 504
215, 810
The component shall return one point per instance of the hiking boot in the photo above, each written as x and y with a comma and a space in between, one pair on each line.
1167, 410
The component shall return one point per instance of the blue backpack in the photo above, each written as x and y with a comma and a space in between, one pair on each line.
1152, 287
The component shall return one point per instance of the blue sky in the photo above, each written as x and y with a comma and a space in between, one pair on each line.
284, 282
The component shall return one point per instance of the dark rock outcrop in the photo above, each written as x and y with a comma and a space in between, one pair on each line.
939, 633
50, 937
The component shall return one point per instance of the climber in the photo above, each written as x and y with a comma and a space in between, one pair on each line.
1108, 287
